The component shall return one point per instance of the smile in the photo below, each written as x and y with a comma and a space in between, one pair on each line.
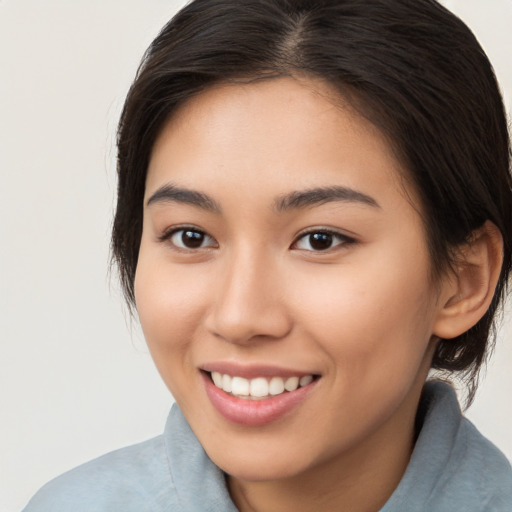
259, 388
263, 396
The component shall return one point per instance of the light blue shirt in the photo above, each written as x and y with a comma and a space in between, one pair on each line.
453, 468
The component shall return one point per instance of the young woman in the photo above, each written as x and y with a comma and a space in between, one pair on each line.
314, 211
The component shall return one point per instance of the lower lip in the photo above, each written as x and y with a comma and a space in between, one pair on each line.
254, 413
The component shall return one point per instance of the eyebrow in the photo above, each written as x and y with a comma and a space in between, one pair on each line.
322, 195
294, 200
171, 194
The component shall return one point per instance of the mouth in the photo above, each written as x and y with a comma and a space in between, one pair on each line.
259, 388
260, 397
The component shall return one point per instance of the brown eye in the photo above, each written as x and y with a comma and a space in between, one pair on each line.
321, 241
191, 239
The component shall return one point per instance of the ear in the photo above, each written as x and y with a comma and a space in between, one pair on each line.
466, 294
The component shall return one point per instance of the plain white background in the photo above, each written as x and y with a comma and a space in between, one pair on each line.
75, 377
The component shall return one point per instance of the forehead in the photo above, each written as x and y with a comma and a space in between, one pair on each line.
285, 130
275, 104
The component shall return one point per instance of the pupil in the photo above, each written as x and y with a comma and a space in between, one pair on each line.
192, 239
320, 241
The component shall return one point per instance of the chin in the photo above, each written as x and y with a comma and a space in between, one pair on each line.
256, 465
251, 471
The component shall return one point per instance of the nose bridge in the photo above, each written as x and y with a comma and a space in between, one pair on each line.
250, 301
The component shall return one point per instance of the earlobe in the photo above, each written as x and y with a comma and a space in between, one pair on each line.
467, 294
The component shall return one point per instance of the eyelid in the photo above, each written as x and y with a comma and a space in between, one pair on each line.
171, 231
345, 239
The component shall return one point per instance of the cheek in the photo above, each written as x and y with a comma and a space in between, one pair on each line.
372, 317
375, 335
170, 305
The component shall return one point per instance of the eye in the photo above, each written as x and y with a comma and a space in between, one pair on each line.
189, 238
321, 240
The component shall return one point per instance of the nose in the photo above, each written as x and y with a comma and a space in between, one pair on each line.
250, 303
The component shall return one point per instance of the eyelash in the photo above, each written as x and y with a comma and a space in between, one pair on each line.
343, 239
169, 234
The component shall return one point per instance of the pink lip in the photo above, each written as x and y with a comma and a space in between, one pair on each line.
254, 413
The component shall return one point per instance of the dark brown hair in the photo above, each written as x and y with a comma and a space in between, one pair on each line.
410, 66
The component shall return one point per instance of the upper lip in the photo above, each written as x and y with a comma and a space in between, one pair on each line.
251, 371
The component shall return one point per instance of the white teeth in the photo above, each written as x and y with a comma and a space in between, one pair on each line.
239, 386
304, 381
226, 383
291, 384
259, 387
276, 386
217, 379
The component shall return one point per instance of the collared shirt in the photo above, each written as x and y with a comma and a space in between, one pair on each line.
453, 468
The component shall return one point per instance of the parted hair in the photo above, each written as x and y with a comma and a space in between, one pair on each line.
411, 67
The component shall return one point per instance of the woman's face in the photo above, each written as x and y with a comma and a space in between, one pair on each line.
280, 245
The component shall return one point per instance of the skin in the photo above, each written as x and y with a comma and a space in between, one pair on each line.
362, 314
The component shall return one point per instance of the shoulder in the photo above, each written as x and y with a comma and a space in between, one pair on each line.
471, 472
480, 462
453, 466
135, 478
168, 473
